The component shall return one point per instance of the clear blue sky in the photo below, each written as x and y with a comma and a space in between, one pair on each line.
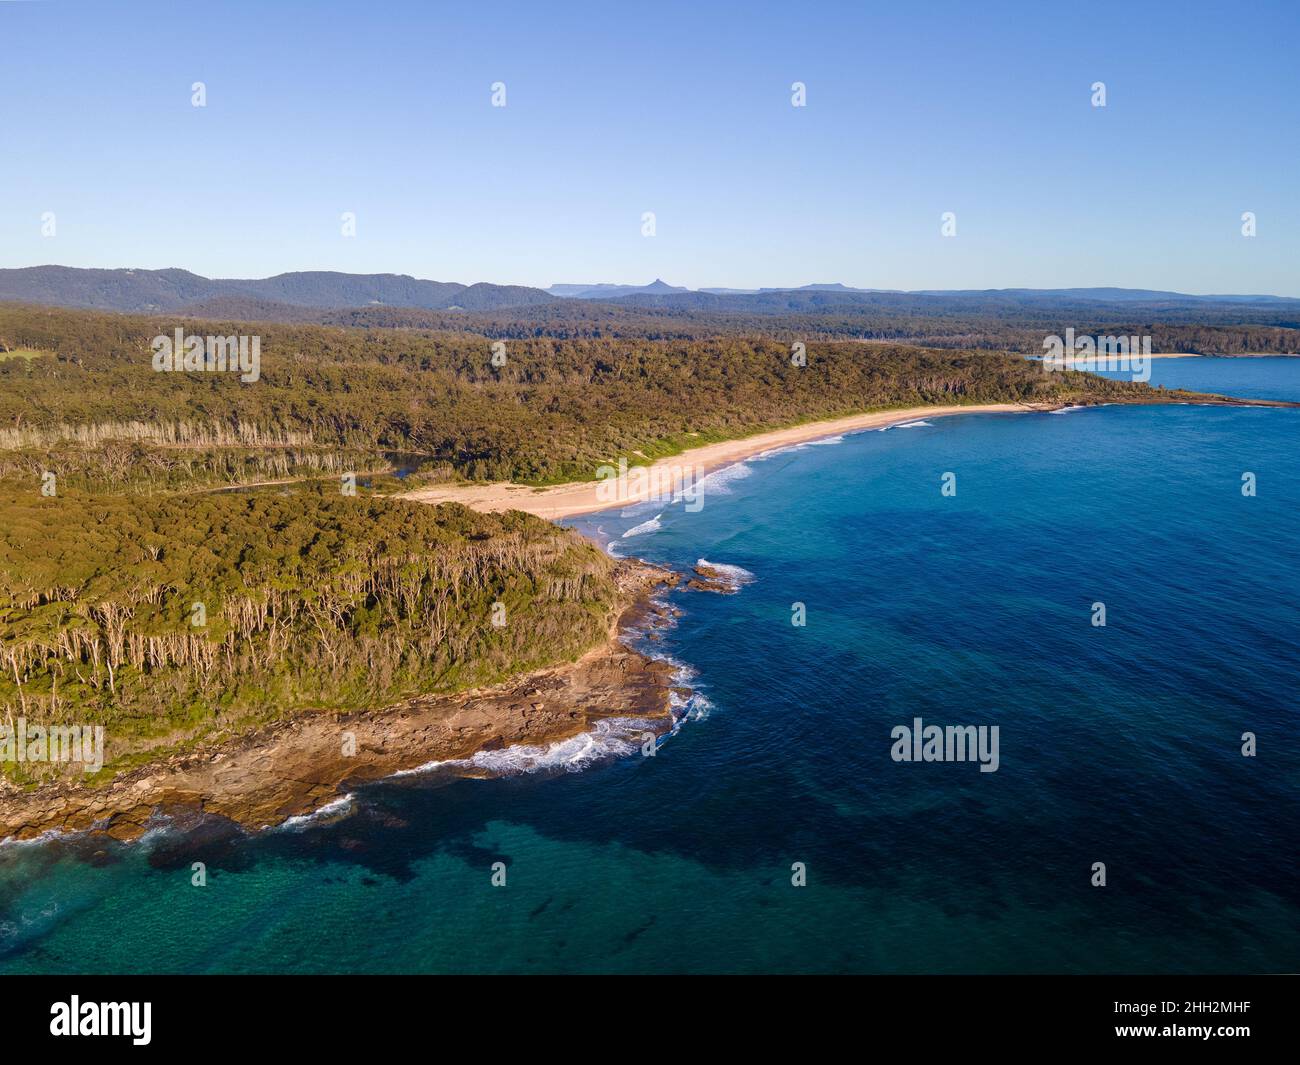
614, 109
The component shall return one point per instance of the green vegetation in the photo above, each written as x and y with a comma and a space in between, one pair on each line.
985, 323
314, 599
331, 400
308, 599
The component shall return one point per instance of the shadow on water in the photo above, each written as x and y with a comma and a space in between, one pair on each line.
986, 857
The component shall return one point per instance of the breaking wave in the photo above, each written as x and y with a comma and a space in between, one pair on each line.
824, 441
733, 575
336, 808
645, 527
612, 738
49, 835
719, 481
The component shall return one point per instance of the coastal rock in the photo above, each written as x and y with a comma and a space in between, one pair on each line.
711, 586
724, 580
295, 767
711, 579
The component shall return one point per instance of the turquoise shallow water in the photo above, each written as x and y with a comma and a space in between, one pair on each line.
1118, 745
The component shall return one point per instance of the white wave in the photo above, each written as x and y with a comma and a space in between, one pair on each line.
162, 827
645, 527
601, 536
719, 481
919, 423
158, 826
1066, 410
614, 737
45, 837
683, 674
693, 707
825, 441
608, 740
736, 575
427, 767
332, 809
611, 738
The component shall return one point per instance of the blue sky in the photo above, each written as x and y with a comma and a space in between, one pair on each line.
913, 109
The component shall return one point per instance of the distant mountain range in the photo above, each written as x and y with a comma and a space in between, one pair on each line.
180, 290
1108, 295
606, 291
305, 295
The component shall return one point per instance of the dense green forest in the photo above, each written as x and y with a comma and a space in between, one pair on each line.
171, 617
1239, 333
111, 531
330, 399
935, 322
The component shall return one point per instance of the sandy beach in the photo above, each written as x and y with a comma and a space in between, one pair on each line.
585, 497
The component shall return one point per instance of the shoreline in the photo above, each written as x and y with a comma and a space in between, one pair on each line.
584, 497
575, 498
295, 769
298, 767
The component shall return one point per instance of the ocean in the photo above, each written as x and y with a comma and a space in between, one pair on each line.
774, 831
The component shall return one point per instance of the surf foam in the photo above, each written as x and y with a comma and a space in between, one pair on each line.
645, 527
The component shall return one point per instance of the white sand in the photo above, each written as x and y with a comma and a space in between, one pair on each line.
584, 497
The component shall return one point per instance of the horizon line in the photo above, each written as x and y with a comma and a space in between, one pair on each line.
721, 289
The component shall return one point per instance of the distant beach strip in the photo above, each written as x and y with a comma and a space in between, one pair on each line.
584, 497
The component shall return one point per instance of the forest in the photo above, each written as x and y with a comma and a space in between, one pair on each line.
140, 592
951, 321
173, 617
536, 410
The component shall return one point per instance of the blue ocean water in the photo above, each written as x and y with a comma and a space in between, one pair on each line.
1264, 377
1119, 744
